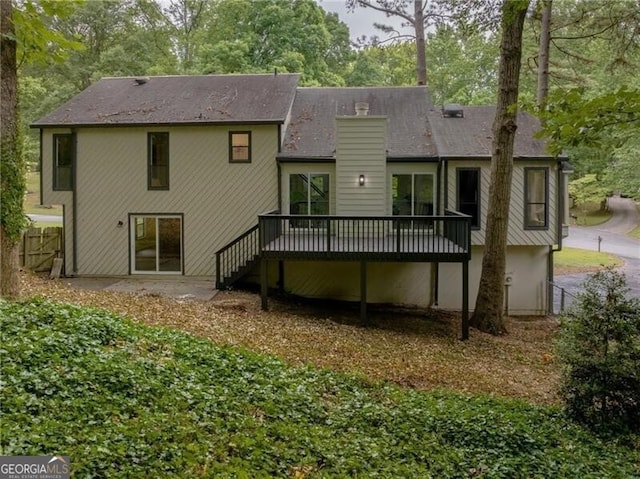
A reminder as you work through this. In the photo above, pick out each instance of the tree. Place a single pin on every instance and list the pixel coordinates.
(12, 181)
(598, 347)
(415, 16)
(543, 55)
(290, 36)
(23, 28)
(186, 17)
(488, 314)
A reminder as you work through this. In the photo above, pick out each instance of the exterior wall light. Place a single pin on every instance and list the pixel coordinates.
(361, 180)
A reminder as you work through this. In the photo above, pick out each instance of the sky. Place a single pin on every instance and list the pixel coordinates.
(360, 21)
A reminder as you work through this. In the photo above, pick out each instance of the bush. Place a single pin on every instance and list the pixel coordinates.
(599, 345)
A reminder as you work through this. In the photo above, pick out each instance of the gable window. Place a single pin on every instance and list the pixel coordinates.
(536, 198)
(468, 191)
(63, 153)
(239, 147)
(156, 244)
(158, 154)
(309, 194)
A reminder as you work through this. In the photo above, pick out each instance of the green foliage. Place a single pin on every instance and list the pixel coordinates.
(12, 188)
(599, 345)
(296, 36)
(125, 400)
(587, 189)
(37, 42)
(574, 119)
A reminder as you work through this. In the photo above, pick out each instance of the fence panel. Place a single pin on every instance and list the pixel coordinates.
(39, 247)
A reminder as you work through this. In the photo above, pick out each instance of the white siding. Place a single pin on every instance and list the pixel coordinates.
(393, 283)
(361, 150)
(528, 290)
(219, 200)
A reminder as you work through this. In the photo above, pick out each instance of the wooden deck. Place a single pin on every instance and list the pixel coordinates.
(420, 247)
(376, 238)
(432, 239)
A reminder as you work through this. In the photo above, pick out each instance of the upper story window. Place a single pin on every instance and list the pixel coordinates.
(468, 194)
(63, 162)
(158, 162)
(239, 147)
(536, 198)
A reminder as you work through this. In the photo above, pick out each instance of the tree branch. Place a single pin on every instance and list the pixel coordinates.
(388, 11)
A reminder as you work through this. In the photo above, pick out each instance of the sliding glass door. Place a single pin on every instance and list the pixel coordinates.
(156, 244)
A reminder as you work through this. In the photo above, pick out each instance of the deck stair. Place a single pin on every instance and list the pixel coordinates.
(236, 259)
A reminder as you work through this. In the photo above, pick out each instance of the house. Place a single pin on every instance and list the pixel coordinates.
(207, 176)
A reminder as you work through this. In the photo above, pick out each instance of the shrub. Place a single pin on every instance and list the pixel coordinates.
(599, 345)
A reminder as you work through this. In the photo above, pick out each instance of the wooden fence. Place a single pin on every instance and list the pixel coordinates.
(39, 247)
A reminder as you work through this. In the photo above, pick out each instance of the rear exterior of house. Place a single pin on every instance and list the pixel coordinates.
(157, 175)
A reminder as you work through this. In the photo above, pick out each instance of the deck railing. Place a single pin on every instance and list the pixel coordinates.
(444, 234)
(233, 258)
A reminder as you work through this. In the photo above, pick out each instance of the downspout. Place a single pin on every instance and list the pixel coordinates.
(40, 166)
(435, 270)
(74, 215)
(279, 173)
(559, 221)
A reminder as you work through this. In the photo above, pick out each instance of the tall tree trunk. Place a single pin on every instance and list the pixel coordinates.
(488, 315)
(543, 55)
(12, 180)
(421, 53)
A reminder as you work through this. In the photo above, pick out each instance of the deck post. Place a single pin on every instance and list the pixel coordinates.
(465, 300)
(264, 277)
(363, 292)
(281, 276)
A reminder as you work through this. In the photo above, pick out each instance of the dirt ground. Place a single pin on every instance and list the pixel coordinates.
(410, 347)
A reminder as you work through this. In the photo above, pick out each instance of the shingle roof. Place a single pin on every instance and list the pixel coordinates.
(311, 132)
(471, 136)
(178, 100)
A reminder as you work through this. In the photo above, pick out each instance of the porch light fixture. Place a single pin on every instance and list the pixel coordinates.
(361, 180)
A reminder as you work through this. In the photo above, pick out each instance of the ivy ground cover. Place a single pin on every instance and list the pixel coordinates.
(128, 400)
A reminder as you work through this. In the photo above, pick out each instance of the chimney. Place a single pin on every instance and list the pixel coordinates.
(362, 108)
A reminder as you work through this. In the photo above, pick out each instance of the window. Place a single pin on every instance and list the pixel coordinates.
(536, 198)
(468, 186)
(412, 195)
(63, 158)
(239, 147)
(156, 244)
(309, 194)
(158, 152)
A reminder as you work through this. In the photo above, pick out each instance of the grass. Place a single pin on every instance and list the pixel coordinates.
(574, 260)
(636, 232)
(590, 214)
(32, 200)
(127, 400)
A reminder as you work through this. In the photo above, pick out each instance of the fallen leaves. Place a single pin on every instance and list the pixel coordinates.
(413, 348)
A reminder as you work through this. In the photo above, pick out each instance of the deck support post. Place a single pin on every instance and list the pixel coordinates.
(281, 276)
(436, 282)
(465, 300)
(264, 277)
(363, 292)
